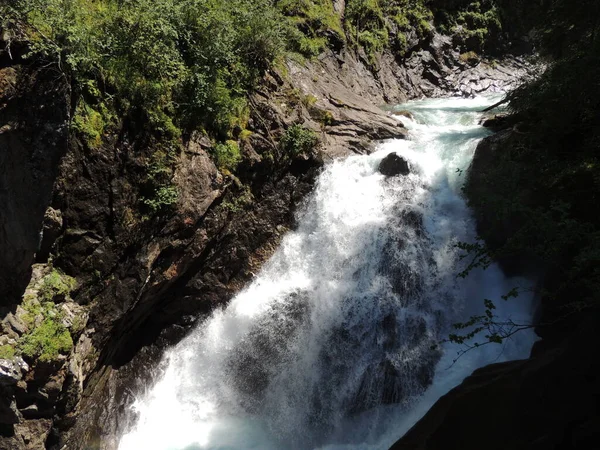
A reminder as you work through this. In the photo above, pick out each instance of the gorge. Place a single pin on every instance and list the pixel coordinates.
(201, 246)
(334, 344)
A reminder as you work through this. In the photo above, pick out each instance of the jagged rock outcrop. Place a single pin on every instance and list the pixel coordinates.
(34, 120)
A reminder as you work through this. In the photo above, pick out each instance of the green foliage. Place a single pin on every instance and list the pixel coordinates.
(47, 336)
(227, 155)
(163, 198)
(89, 124)
(166, 64)
(322, 116)
(56, 285)
(158, 193)
(240, 201)
(378, 24)
(314, 25)
(298, 140)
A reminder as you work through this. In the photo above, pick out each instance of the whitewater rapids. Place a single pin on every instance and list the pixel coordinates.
(334, 345)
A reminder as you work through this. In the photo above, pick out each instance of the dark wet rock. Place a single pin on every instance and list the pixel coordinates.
(15, 323)
(394, 164)
(9, 414)
(28, 435)
(486, 178)
(34, 114)
(413, 219)
(497, 122)
(265, 349)
(52, 227)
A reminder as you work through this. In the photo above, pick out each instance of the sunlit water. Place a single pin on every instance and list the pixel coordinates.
(333, 345)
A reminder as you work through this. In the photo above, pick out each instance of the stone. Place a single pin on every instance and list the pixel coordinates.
(10, 372)
(496, 122)
(52, 226)
(9, 415)
(393, 165)
(404, 113)
(17, 325)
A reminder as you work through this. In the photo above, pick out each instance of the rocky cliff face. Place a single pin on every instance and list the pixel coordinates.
(125, 286)
(34, 119)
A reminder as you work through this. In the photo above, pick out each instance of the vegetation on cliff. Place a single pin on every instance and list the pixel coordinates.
(173, 66)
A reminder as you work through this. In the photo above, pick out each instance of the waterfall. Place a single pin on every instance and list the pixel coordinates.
(335, 344)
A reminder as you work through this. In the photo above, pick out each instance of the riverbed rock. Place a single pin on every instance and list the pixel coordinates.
(496, 122)
(404, 113)
(393, 165)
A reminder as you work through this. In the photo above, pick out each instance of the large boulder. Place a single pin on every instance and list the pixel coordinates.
(393, 165)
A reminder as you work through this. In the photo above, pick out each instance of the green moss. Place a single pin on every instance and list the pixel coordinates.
(469, 57)
(33, 309)
(47, 336)
(245, 135)
(7, 352)
(89, 124)
(309, 100)
(239, 202)
(322, 116)
(78, 324)
(47, 340)
(56, 284)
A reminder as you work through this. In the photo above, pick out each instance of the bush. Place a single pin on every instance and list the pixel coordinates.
(297, 140)
(164, 63)
(314, 25)
(227, 155)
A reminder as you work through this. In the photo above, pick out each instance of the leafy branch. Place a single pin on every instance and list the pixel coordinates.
(479, 254)
(492, 328)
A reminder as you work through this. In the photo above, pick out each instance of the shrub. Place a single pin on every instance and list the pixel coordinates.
(314, 25)
(166, 64)
(297, 140)
(158, 192)
(227, 155)
(163, 198)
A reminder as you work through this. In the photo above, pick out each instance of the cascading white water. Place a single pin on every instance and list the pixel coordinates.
(333, 345)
